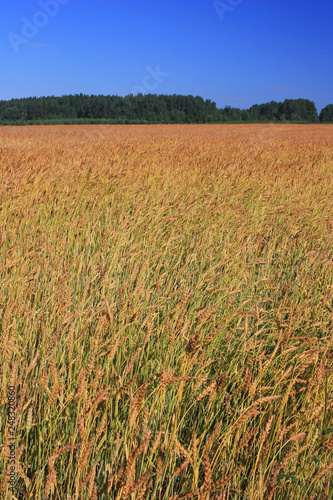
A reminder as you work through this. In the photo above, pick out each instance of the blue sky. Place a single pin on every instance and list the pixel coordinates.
(235, 52)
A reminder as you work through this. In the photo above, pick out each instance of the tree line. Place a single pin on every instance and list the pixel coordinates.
(153, 108)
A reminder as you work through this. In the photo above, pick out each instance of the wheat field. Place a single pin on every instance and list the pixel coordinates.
(166, 300)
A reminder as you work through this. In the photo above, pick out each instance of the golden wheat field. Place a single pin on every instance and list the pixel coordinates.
(166, 301)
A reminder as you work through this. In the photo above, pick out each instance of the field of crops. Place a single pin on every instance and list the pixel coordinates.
(166, 312)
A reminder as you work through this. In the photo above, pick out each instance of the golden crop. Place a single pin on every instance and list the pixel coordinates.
(166, 301)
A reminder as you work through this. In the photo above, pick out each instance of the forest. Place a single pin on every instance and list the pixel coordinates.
(153, 108)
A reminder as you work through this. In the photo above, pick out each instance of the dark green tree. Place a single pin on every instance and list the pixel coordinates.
(326, 114)
(153, 108)
(12, 113)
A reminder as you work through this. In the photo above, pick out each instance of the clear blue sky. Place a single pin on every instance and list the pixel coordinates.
(235, 52)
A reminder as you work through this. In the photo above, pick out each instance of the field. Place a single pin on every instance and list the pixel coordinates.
(166, 302)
